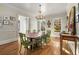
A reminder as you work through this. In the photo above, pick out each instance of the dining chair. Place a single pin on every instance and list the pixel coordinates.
(45, 38)
(39, 42)
(24, 43)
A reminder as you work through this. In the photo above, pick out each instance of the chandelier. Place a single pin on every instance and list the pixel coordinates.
(40, 13)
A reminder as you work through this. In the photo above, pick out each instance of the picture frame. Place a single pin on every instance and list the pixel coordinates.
(57, 25)
(6, 18)
(49, 23)
(1, 21)
(12, 18)
(6, 22)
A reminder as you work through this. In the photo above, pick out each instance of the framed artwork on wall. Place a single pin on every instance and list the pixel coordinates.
(6, 18)
(57, 25)
(1, 21)
(6, 22)
(12, 18)
(49, 23)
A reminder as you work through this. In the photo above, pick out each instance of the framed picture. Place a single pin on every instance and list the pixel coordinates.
(57, 25)
(12, 18)
(6, 18)
(1, 21)
(6, 22)
(49, 23)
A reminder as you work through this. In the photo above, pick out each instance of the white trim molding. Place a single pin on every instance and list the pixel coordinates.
(8, 41)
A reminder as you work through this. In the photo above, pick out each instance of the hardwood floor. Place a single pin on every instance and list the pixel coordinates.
(9, 48)
(52, 48)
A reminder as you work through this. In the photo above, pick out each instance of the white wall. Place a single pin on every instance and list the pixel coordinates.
(9, 33)
(63, 24)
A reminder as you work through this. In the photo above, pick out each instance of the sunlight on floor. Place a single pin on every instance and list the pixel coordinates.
(66, 51)
(57, 44)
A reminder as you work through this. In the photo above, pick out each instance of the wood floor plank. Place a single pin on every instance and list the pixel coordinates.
(52, 48)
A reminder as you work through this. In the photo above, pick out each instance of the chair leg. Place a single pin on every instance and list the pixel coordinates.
(42, 44)
(32, 47)
(25, 52)
(20, 49)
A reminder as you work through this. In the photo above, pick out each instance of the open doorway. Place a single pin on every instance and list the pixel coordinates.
(22, 24)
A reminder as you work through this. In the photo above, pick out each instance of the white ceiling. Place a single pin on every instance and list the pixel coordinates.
(51, 8)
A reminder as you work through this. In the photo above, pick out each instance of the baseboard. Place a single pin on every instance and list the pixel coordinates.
(55, 34)
(8, 41)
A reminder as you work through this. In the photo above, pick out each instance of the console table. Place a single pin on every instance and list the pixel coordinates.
(68, 37)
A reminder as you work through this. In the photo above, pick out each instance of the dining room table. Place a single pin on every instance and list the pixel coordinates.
(32, 36)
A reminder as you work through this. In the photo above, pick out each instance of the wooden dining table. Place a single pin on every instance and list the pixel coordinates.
(33, 37)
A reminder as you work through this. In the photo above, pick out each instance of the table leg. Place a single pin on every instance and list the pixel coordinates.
(31, 41)
(60, 45)
(75, 46)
